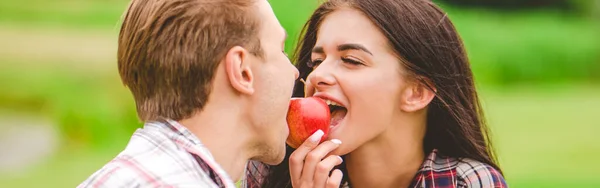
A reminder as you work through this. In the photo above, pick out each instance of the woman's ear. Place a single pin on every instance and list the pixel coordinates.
(417, 95)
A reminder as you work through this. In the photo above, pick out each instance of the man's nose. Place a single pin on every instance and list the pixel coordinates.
(296, 72)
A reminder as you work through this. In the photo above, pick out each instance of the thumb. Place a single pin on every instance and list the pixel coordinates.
(313, 140)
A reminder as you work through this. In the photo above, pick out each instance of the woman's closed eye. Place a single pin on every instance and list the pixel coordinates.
(352, 61)
(314, 63)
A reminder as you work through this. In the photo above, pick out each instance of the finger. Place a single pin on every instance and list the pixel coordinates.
(323, 169)
(315, 156)
(335, 179)
(297, 158)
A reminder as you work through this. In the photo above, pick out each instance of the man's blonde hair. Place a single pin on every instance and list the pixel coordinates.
(169, 51)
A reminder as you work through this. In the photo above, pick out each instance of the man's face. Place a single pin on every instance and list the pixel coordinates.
(274, 82)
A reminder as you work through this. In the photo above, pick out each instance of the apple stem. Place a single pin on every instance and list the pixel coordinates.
(302, 80)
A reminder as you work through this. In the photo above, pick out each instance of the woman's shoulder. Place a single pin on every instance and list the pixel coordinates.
(474, 173)
(464, 172)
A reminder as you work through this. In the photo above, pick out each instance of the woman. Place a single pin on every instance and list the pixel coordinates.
(405, 110)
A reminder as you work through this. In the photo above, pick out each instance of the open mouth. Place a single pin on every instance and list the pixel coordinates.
(338, 113)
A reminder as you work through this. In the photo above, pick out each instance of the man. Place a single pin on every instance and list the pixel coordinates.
(212, 84)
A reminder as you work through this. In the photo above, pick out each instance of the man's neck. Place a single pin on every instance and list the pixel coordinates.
(225, 136)
(390, 160)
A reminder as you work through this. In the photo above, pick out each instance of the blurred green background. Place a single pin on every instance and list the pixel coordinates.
(64, 112)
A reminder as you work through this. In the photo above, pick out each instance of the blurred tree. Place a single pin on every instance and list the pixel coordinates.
(596, 10)
(513, 4)
(589, 8)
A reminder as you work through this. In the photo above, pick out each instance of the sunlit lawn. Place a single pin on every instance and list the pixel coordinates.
(545, 138)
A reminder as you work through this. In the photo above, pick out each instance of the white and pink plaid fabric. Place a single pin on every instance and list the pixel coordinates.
(161, 154)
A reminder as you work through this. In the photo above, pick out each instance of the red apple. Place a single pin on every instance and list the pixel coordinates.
(306, 116)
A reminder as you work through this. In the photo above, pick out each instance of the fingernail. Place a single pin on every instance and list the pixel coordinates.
(316, 137)
(336, 141)
(340, 158)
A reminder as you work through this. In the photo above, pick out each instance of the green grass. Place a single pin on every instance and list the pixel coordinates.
(63, 13)
(87, 106)
(545, 138)
(67, 169)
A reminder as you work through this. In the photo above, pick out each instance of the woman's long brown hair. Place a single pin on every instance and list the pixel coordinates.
(429, 47)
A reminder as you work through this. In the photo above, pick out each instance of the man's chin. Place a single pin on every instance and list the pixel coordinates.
(275, 158)
(272, 157)
(274, 162)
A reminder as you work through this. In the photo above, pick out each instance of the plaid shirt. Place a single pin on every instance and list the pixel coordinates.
(435, 172)
(162, 154)
(442, 172)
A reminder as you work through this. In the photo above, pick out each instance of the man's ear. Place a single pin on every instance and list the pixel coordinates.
(417, 96)
(237, 65)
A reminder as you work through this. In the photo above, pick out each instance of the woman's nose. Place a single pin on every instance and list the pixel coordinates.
(322, 76)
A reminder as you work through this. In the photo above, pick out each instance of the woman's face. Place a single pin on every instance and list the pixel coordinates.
(354, 67)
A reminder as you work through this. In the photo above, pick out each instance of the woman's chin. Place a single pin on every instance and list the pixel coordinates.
(335, 132)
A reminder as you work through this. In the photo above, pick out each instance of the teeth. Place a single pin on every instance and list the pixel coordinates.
(329, 102)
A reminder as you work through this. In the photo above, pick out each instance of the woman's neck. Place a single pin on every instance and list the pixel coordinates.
(391, 160)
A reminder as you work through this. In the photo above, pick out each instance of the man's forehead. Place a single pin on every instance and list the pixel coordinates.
(268, 19)
(264, 5)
